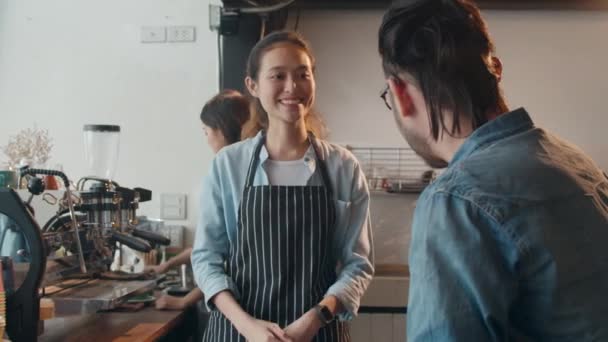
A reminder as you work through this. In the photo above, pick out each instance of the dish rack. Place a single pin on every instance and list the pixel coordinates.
(393, 169)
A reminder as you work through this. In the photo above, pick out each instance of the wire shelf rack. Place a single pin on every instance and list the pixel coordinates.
(393, 169)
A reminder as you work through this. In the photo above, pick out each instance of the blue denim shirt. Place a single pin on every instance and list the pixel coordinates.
(221, 196)
(511, 241)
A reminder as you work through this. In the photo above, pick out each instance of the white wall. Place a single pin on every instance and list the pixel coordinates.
(66, 63)
(554, 65)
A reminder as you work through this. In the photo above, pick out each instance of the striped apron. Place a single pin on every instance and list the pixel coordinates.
(281, 260)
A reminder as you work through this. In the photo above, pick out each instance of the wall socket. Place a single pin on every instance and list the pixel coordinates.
(181, 34)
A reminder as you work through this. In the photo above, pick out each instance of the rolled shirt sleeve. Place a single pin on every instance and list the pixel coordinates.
(211, 244)
(355, 246)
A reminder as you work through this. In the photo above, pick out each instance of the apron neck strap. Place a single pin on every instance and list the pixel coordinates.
(256, 158)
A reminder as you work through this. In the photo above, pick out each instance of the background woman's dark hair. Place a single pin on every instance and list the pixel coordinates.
(259, 117)
(445, 46)
(227, 111)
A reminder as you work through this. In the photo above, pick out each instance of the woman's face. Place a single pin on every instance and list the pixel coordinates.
(285, 84)
(215, 138)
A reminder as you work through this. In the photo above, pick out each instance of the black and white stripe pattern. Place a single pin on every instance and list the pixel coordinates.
(281, 259)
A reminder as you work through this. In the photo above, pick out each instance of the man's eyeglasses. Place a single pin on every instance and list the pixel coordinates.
(384, 96)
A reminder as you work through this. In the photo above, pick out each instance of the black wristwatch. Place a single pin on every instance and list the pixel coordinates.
(324, 314)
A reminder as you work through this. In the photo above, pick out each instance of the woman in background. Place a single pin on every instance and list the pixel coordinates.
(222, 118)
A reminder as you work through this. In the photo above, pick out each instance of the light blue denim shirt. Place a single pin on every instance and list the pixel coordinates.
(511, 241)
(221, 196)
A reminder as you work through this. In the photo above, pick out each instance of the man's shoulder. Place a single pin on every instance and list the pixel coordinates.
(491, 180)
(506, 177)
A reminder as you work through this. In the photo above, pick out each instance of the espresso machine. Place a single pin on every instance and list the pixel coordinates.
(23, 262)
(67, 260)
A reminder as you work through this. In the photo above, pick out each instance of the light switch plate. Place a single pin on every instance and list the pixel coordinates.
(173, 206)
(153, 34)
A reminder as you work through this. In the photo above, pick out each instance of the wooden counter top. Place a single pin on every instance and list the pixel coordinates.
(391, 270)
(145, 325)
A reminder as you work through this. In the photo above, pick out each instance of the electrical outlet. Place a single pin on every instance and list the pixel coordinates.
(215, 15)
(173, 206)
(181, 34)
(153, 34)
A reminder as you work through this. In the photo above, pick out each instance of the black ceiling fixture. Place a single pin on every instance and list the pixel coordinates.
(241, 23)
(489, 4)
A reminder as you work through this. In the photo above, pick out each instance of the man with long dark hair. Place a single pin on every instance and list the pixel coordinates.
(510, 240)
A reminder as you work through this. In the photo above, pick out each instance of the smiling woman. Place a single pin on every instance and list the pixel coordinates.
(283, 246)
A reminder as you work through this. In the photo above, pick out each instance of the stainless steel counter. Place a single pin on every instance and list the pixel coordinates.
(77, 296)
(391, 216)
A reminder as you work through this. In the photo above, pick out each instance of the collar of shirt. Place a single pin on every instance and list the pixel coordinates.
(309, 159)
(503, 126)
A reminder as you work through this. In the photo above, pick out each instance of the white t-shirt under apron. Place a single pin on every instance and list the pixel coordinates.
(290, 172)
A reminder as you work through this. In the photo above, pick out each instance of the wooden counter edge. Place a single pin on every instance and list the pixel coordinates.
(391, 270)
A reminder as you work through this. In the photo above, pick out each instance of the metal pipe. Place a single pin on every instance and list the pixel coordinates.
(266, 9)
(83, 267)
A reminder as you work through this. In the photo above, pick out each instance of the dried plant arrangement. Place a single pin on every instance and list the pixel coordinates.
(32, 146)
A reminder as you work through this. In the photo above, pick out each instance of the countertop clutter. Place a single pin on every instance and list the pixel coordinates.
(64, 259)
(145, 325)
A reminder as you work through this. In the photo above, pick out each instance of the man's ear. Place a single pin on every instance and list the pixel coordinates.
(252, 86)
(401, 98)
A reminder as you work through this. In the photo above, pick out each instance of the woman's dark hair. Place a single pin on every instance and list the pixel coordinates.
(259, 117)
(445, 47)
(227, 111)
